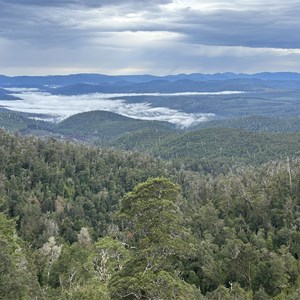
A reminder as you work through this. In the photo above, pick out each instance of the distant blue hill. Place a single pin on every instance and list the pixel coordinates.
(5, 95)
(63, 80)
(182, 85)
(229, 75)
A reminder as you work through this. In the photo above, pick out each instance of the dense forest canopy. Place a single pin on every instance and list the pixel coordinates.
(89, 223)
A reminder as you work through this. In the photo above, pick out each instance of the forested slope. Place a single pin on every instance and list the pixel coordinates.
(104, 127)
(214, 149)
(70, 222)
(255, 123)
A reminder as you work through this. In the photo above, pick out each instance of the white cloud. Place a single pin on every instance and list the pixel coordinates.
(61, 107)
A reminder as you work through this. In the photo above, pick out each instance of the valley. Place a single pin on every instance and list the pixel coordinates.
(182, 187)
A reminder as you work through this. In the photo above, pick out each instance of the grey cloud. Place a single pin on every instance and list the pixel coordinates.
(92, 36)
(262, 26)
(54, 3)
(265, 28)
(64, 23)
(83, 3)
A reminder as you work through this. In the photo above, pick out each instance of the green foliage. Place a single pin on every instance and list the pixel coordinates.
(152, 285)
(261, 295)
(155, 231)
(92, 290)
(73, 185)
(109, 255)
(14, 263)
(71, 268)
(233, 235)
(154, 223)
(235, 292)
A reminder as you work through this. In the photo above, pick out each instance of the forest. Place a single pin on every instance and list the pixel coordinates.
(83, 222)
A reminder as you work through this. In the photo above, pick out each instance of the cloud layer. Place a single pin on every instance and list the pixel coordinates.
(158, 37)
(60, 107)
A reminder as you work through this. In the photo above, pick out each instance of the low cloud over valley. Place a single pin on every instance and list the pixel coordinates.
(59, 107)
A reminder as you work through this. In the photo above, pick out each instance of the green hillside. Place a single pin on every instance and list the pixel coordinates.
(215, 147)
(104, 126)
(224, 144)
(87, 223)
(272, 103)
(21, 122)
(255, 123)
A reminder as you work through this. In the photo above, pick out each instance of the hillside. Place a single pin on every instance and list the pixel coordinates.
(5, 95)
(22, 122)
(254, 123)
(165, 86)
(215, 149)
(104, 127)
(212, 147)
(86, 223)
(272, 103)
(63, 80)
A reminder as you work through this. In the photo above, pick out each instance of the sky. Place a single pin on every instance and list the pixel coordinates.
(159, 37)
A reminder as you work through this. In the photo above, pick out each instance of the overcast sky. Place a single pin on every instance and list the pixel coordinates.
(40, 37)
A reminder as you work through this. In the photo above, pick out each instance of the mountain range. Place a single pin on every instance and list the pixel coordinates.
(101, 78)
